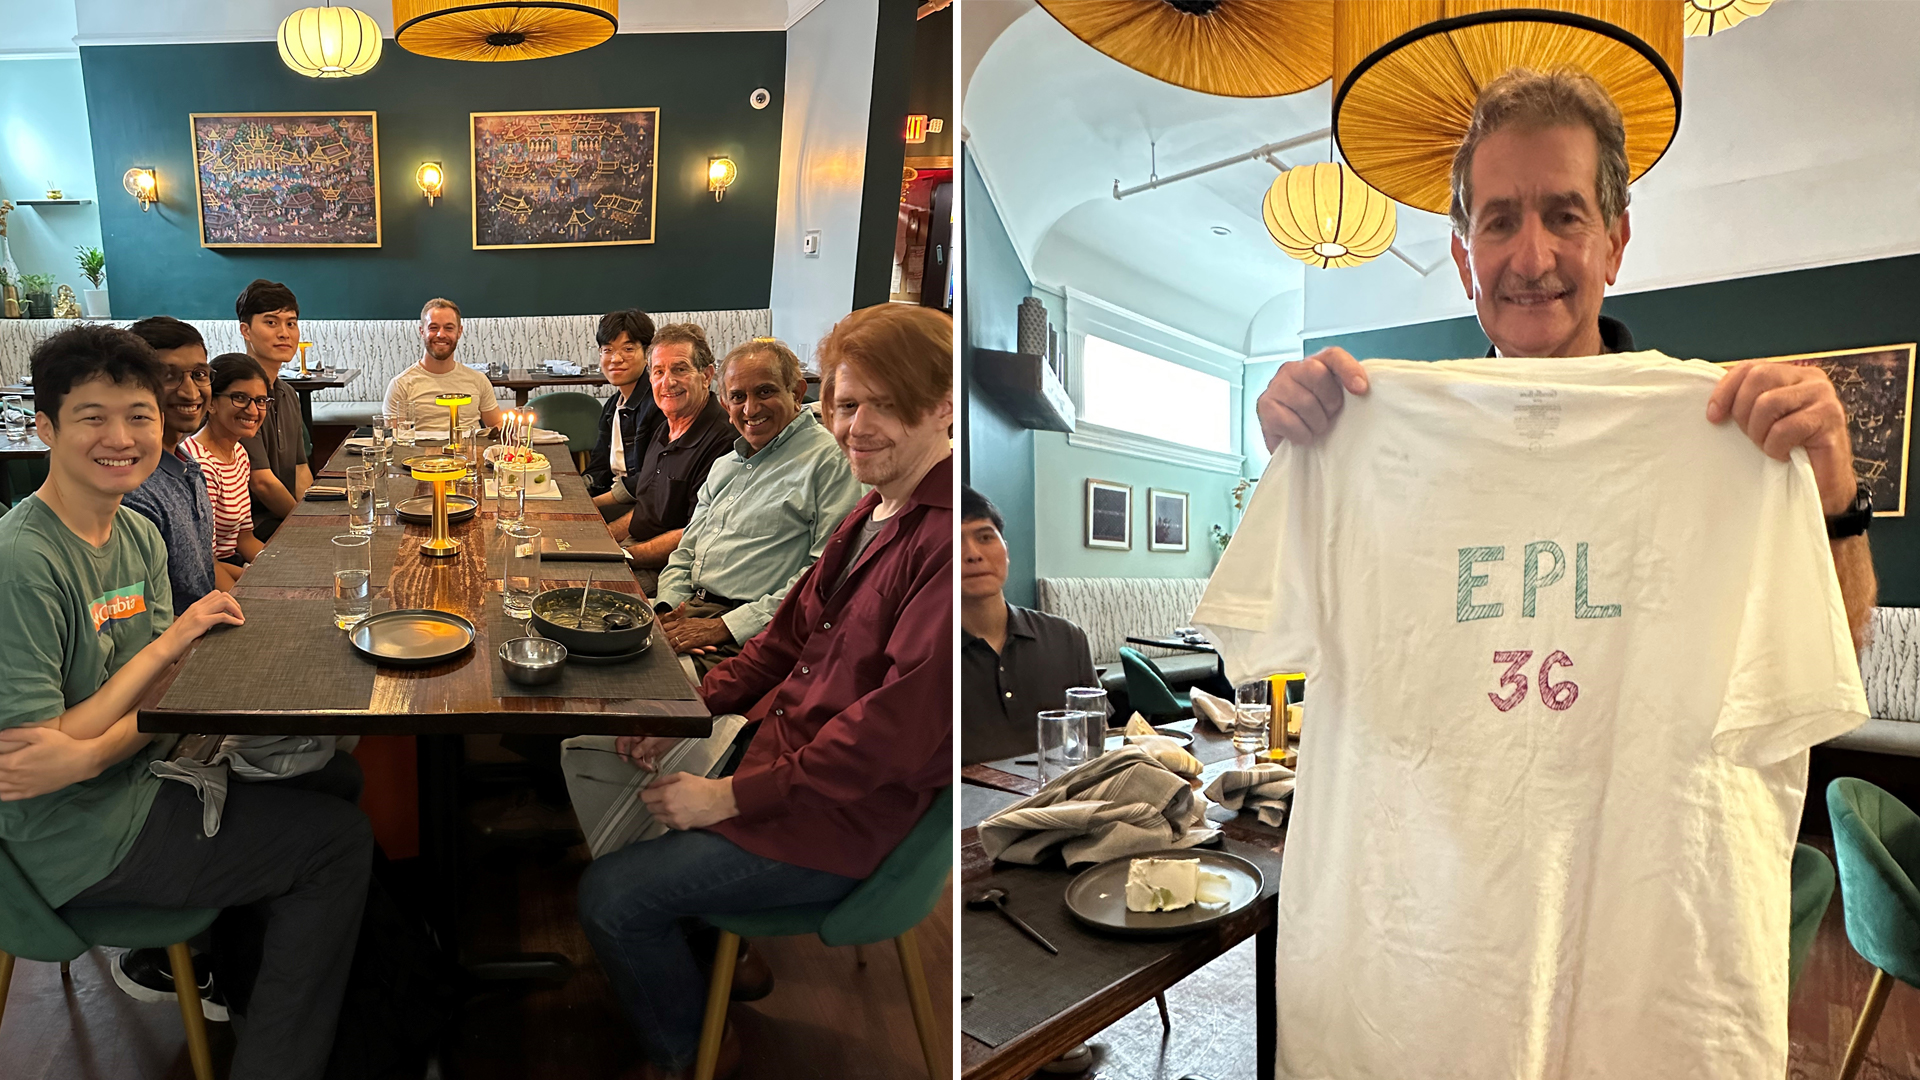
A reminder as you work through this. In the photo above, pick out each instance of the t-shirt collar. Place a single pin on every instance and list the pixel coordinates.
(1614, 337)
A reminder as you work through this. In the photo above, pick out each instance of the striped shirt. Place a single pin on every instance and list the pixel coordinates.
(228, 488)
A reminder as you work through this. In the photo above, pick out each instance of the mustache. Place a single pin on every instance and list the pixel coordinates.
(1511, 284)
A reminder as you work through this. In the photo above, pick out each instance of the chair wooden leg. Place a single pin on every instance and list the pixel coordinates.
(187, 988)
(860, 956)
(922, 1002)
(718, 992)
(66, 969)
(6, 979)
(1863, 1030)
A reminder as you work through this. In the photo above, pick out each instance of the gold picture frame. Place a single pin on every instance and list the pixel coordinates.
(297, 155)
(625, 209)
(1875, 384)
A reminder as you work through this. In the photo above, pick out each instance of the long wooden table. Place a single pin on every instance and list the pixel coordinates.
(524, 381)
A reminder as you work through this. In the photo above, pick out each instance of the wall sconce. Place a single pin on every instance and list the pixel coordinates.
(432, 179)
(721, 173)
(141, 184)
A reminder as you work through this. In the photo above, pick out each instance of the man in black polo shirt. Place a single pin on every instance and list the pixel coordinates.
(270, 327)
(652, 505)
(1014, 662)
(624, 337)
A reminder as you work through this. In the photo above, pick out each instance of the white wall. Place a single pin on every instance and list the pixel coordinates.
(823, 158)
(43, 139)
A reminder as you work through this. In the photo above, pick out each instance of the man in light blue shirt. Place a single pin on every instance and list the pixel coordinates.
(765, 512)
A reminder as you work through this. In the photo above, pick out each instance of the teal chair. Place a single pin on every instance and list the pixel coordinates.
(1812, 892)
(31, 929)
(1877, 842)
(1147, 689)
(887, 905)
(573, 414)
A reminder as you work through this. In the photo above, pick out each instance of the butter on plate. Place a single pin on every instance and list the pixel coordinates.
(1172, 884)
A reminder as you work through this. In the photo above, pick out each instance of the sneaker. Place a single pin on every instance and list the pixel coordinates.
(147, 975)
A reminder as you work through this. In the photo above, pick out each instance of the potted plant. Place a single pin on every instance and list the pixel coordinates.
(93, 267)
(38, 291)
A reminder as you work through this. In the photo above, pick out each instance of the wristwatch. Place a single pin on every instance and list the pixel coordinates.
(1852, 521)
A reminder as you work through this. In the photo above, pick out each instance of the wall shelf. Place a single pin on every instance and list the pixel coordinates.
(53, 202)
(1026, 387)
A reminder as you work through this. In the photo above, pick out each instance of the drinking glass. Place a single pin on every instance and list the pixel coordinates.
(510, 493)
(352, 579)
(380, 459)
(360, 498)
(383, 429)
(1091, 703)
(1062, 743)
(403, 430)
(1252, 716)
(521, 576)
(16, 418)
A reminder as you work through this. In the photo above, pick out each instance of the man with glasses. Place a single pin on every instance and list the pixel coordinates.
(174, 498)
(411, 393)
(270, 326)
(630, 414)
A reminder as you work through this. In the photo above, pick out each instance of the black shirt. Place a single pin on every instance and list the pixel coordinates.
(281, 445)
(666, 479)
(1614, 337)
(1001, 694)
(637, 420)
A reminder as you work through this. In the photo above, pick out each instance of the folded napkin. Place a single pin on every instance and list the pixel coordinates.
(1120, 803)
(1218, 710)
(562, 367)
(1264, 788)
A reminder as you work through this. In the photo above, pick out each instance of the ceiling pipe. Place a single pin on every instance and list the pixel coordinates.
(1251, 155)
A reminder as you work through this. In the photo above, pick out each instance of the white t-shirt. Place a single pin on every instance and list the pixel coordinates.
(411, 394)
(1567, 644)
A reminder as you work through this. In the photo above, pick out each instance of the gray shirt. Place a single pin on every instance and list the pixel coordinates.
(281, 446)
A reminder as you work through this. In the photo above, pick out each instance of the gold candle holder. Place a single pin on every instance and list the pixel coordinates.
(453, 403)
(441, 470)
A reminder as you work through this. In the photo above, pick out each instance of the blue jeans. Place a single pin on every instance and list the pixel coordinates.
(631, 903)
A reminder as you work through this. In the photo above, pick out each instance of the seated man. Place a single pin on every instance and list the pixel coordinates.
(84, 593)
(652, 504)
(174, 498)
(270, 327)
(1014, 662)
(851, 682)
(764, 514)
(410, 395)
(630, 414)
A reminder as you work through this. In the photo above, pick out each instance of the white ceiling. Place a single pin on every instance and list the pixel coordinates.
(1798, 133)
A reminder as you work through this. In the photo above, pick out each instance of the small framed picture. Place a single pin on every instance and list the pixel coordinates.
(1109, 515)
(1168, 517)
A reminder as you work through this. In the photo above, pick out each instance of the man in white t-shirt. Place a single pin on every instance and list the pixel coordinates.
(411, 392)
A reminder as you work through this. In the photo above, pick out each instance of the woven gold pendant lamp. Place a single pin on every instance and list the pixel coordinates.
(1406, 74)
(1325, 216)
(1706, 18)
(1234, 48)
(454, 30)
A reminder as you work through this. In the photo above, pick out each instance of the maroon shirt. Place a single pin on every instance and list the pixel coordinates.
(856, 735)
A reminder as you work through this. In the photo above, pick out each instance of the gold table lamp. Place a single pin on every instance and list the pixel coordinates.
(453, 403)
(441, 470)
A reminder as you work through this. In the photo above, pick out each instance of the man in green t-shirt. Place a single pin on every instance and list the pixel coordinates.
(91, 626)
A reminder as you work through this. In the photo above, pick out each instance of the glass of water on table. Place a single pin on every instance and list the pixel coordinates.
(352, 579)
(1091, 703)
(1252, 716)
(360, 498)
(521, 577)
(17, 418)
(1062, 743)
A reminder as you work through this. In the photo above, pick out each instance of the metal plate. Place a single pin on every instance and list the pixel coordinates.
(602, 661)
(419, 509)
(411, 637)
(1098, 897)
(1117, 737)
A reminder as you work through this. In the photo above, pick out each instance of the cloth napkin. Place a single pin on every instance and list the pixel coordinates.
(1266, 789)
(1120, 803)
(1216, 709)
(562, 367)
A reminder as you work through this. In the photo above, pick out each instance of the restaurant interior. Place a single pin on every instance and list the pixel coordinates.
(759, 169)
(1137, 270)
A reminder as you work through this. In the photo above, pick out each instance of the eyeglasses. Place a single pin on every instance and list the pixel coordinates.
(174, 377)
(628, 351)
(243, 401)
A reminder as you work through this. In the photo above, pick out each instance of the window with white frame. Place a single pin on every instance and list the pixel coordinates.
(1130, 390)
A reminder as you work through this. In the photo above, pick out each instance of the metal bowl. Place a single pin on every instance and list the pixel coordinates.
(533, 661)
(602, 642)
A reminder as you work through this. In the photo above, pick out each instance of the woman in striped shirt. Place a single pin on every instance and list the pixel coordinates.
(239, 406)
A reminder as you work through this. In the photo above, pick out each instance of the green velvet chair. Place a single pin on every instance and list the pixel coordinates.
(1812, 892)
(901, 893)
(31, 929)
(573, 414)
(1876, 840)
(1147, 689)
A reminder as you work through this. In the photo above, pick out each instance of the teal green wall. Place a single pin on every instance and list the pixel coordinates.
(707, 255)
(1061, 471)
(1835, 307)
(43, 140)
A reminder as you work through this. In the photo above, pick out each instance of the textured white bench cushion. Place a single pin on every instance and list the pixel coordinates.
(1109, 609)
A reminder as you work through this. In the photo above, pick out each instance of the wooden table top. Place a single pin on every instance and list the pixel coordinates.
(533, 378)
(451, 698)
(31, 448)
(323, 379)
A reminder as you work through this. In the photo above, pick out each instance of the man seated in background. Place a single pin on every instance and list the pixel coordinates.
(851, 682)
(628, 418)
(270, 326)
(410, 395)
(174, 498)
(764, 514)
(85, 597)
(1014, 661)
(652, 504)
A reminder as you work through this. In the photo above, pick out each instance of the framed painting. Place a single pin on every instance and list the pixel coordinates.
(1109, 515)
(580, 178)
(1876, 388)
(287, 179)
(1167, 514)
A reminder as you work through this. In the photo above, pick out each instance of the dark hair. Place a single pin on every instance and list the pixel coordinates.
(262, 297)
(230, 368)
(686, 333)
(85, 353)
(976, 507)
(164, 332)
(632, 322)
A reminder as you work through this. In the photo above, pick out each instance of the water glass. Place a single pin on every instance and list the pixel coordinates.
(383, 429)
(380, 459)
(1252, 716)
(1091, 703)
(352, 579)
(360, 498)
(521, 576)
(510, 493)
(16, 418)
(1062, 743)
(403, 430)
